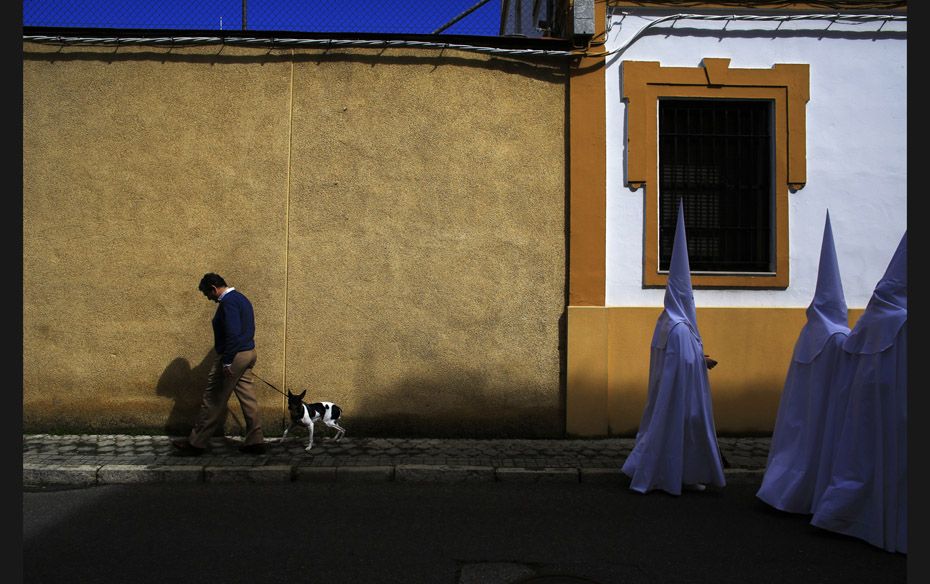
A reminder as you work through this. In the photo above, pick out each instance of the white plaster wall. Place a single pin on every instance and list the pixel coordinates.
(856, 148)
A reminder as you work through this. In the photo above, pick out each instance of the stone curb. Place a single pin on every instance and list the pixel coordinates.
(74, 475)
(248, 474)
(442, 473)
(93, 474)
(373, 474)
(545, 475)
(135, 473)
(315, 474)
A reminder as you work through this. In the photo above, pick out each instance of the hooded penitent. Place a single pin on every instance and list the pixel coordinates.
(866, 496)
(676, 442)
(811, 405)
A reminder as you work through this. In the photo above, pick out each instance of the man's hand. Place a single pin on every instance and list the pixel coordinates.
(709, 362)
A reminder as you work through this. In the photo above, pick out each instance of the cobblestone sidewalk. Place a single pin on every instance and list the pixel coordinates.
(82, 460)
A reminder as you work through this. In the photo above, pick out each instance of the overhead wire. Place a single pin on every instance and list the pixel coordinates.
(598, 41)
(673, 18)
(287, 42)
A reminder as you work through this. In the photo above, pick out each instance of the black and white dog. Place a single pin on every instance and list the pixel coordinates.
(303, 414)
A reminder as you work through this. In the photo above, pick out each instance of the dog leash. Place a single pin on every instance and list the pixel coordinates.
(268, 384)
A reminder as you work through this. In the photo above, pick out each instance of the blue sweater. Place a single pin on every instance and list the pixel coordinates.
(233, 326)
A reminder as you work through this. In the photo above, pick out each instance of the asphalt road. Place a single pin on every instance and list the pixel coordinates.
(488, 533)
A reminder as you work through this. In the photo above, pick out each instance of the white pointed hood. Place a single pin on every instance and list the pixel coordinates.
(886, 311)
(679, 298)
(826, 315)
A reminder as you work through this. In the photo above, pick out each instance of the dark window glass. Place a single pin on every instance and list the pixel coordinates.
(716, 155)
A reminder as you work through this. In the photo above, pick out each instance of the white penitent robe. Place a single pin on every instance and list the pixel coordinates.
(676, 442)
(866, 496)
(812, 405)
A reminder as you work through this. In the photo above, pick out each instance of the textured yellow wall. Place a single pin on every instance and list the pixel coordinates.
(396, 217)
(752, 345)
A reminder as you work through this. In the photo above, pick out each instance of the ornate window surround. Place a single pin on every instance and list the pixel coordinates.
(787, 86)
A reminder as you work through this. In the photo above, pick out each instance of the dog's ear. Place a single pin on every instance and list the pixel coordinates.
(289, 394)
(302, 394)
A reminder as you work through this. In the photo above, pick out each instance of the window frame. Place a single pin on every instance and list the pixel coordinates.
(785, 85)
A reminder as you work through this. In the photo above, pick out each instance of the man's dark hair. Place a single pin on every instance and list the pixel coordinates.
(209, 280)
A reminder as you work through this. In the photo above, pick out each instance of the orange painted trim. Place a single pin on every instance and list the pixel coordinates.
(586, 372)
(786, 86)
(587, 171)
(609, 357)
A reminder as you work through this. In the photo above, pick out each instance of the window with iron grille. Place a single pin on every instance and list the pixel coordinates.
(716, 155)
(730, 143)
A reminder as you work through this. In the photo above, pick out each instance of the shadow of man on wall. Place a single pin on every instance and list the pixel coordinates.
(185, 386)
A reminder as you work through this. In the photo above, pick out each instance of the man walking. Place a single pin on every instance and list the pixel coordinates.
(234, 343)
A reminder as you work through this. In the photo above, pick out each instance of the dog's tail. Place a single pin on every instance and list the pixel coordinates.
(336, 412)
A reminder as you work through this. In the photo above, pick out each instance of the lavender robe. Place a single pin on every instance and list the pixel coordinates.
(866, 496)
(811, 407)
(676, 441)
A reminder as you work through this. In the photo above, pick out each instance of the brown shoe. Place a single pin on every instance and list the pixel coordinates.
(257, 448)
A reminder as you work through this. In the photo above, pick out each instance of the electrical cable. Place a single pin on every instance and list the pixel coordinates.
(844, 18)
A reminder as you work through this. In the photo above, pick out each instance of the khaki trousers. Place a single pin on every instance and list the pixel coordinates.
(216, 396)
